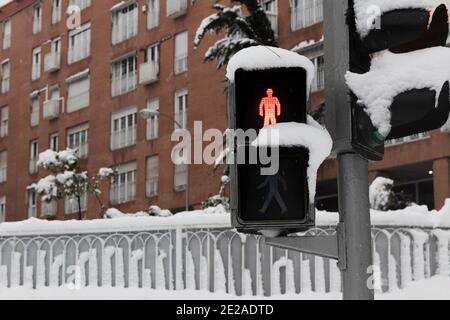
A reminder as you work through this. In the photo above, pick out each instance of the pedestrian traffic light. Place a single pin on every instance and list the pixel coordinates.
(279, 202)
(417, 110)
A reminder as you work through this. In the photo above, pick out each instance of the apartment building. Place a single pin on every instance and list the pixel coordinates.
(81, 84)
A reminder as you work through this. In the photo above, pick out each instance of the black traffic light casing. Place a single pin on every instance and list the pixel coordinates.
(414, 111)
(275, 204)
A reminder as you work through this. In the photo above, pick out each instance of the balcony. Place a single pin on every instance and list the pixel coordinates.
(52, 62)
(176, 8)
(51, 109)
(49, 209)
(148, 72)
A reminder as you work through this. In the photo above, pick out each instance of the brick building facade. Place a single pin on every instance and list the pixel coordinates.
(83, 87)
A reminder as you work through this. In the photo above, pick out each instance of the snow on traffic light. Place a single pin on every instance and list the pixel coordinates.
(398, 70)
(269, 95)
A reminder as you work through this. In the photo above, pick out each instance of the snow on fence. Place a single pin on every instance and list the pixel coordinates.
(214, 259)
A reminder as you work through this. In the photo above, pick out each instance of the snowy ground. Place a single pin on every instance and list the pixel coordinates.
(436, 288)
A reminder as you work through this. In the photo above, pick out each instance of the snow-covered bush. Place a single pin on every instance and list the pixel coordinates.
(221, 198)
(156, 211)
(383, 197)
(67, 179)
(241, 31)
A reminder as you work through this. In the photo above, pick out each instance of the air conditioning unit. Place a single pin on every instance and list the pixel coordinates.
(148, 72)
(176, 8)
(52, 62)
(51, 109)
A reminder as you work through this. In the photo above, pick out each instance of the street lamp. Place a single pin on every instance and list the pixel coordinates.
(147, 114)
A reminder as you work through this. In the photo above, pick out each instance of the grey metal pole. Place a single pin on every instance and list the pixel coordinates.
(355, 253)
(354, 213)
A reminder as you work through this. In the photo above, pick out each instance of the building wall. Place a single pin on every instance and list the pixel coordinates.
(206, 102)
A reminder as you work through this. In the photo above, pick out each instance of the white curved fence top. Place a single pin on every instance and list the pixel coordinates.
(415, 217)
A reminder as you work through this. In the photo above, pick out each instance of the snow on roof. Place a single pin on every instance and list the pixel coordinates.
(311, 136)
(367, 10)
(266, 57)
(391, 74)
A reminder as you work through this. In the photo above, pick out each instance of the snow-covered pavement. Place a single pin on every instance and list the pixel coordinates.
(436, 288)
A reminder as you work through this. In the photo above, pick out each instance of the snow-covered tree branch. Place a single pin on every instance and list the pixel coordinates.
(67, 179)
(241, 31)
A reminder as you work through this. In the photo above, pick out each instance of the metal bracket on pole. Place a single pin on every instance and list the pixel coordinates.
(324, 246)
(329, 246)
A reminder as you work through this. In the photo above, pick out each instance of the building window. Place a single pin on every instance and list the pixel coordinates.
(32, 203)
(315, 53)
(5, 76)
(37, 18)
(180, 177)
(124, 75)
(4, 119)
(123, 188)
(56, 11)
(34, 111)
(54, 142)
(181, 52)
(153, 14)
(152, 176)
(79, 43)
(2, 209)
(305, 13)
(78, 92)
(153, 121)
(123, 128)
(181, 109)
(36, 65)
(411, 138)
(34, 156)
(82, 4)
(125, 22)
(271, 9)
(71, 204)
(3, 165)
(78, 139)
(7, 34)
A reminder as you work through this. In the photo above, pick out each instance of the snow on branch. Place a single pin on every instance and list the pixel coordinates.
(241, 31)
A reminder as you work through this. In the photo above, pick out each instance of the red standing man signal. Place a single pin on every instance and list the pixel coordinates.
(270, 108)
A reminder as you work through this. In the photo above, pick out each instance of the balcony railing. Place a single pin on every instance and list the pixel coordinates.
(123, 138)
(181, 64)
(49, 209)
(148, 72)
(51, 109)
(52, 62)
(82, 149)
(124, 84)
(122, 193)
(3, 131)
(152, 187)
(176, 8)
(3, 174)
(33, 168)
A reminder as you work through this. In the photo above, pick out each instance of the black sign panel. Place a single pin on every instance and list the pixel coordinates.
(269, 97)
(281, 198)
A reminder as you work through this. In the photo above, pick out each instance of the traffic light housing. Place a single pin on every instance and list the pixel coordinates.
(414, 111)
(279, 203)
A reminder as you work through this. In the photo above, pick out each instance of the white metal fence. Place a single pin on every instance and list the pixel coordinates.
(218, 260)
